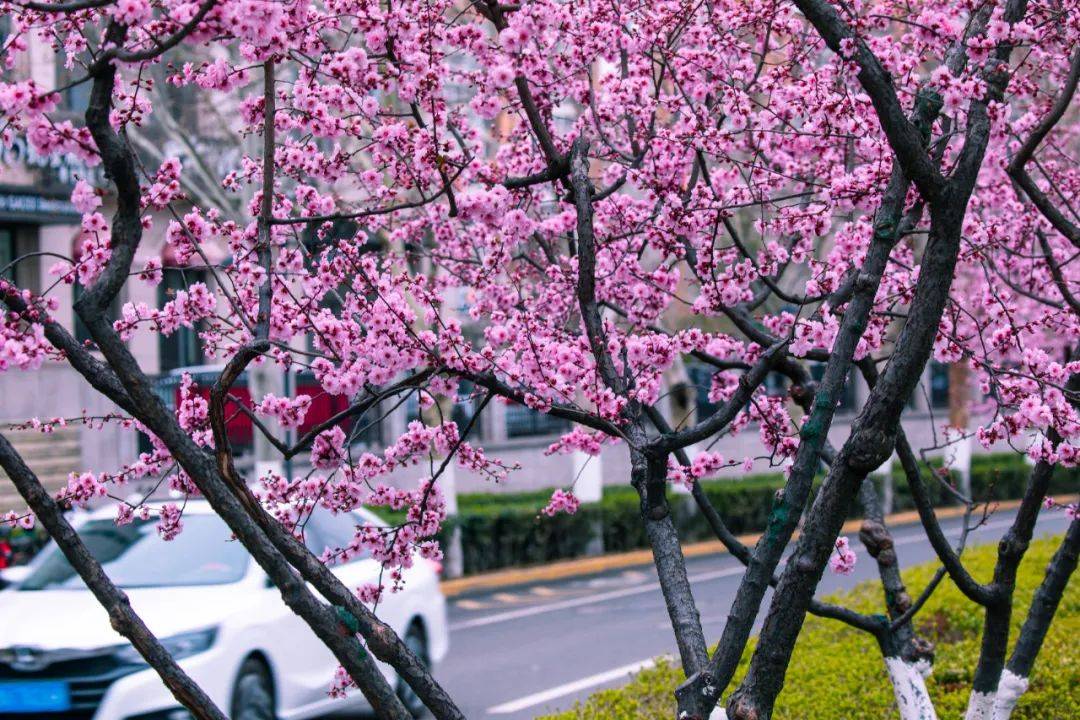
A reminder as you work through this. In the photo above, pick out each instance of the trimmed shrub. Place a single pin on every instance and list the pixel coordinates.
(837, 672)
(507, 530)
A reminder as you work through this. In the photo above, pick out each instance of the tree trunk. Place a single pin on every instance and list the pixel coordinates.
(909, 686)
(1014, 678)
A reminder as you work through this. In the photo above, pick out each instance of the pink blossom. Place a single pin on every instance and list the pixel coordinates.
(562, 501)
(328, 449)
(502, 76)
(131, 12)
(171, 521)
(842, 562)
(290, 412)
(84, 197)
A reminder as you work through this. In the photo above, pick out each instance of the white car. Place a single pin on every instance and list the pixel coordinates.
(211, 605)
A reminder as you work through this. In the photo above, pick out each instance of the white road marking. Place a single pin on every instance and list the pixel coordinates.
(586, 600)
(559, 691)
(698, 578)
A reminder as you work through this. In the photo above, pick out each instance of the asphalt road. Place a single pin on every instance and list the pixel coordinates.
(536, 649)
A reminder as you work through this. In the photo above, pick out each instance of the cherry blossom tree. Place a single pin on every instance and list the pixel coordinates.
(557, 204)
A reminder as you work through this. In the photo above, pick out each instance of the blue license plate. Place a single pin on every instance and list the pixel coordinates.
(31, 697)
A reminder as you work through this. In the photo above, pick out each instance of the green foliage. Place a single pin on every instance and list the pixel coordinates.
(507, 530)
(993, 477)
(837, 672)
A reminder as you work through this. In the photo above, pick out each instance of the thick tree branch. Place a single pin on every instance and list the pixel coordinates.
(1017, 167)
(950, 560)
(586, 283)
(905, 138)
(699, 693)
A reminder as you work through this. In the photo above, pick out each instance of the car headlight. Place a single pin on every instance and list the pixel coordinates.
(179, 646)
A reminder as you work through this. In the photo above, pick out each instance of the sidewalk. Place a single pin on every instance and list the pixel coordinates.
(577, 567)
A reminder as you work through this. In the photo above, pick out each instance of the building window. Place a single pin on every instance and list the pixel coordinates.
(701, 379)
(939, 385)
(183, 348)
(18, 243)
(523, 421)
(74, 95)
(7, 254)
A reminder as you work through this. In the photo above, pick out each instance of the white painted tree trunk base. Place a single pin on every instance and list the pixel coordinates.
(1010, 688)
(980, 706)
(909, 686)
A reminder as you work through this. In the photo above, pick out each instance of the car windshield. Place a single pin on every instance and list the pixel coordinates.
(135, 557)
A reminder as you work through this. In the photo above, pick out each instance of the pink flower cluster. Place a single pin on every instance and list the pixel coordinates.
(328, 449)
(289, 412)
(561, 501)
(20, 520)
(22, 345)
(85, 198)
(703, 465)
(842, 562)
(166, 186)
(170, 523)
(82, 488)
(186, 309)
(193, 412)
(578, 439)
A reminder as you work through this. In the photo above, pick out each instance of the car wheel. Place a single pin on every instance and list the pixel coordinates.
(253, 693)
(416, 640)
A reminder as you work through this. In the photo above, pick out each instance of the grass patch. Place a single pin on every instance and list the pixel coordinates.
(837, 672)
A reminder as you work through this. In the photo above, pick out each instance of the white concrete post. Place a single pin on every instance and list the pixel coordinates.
(884, 474)
(589, 488)
(958, 457)
(453, 555)
(588, 477)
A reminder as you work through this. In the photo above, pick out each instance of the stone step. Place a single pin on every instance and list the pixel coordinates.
(43, 451)
(28, 438)
(50, 455)
(47, 466)
(11, 500)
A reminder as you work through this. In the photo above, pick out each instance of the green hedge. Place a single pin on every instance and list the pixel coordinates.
(837, 672)
(507, 530)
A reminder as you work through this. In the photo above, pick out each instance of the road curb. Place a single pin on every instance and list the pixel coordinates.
(564, 569)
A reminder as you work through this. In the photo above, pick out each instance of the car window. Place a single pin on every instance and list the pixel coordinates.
(134, 556)
(326, 529)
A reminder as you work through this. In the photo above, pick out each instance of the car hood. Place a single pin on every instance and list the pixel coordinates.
(73, 619)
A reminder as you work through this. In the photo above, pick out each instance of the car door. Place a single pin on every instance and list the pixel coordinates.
(304, 667)
(337, 530)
